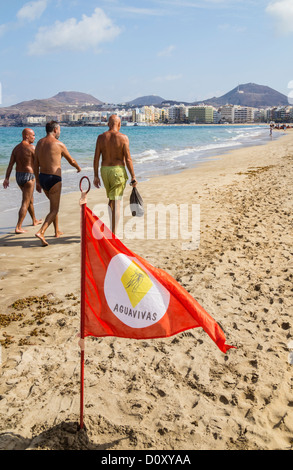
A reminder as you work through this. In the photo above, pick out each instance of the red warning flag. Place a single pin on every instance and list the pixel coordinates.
(125, 296)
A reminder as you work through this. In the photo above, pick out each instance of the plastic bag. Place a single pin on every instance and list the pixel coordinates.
(136, 203)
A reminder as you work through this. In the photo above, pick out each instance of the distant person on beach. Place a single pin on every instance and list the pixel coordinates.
(114, 148)
(48, 154)
(23, 156)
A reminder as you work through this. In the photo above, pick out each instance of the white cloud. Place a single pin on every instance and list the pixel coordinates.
(282, 12)
(32, 10)
(89, 32)
(167, 51)
(3, 29)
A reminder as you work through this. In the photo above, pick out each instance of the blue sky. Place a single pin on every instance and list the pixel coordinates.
(118, 50)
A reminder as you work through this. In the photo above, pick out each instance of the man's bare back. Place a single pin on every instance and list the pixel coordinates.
(49, 152)
(114, 149)
(24, 157)
(113, 146)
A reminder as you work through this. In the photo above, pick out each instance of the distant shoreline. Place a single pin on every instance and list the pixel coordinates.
(255, 124)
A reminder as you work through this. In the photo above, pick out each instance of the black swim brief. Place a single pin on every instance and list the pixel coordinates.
(22, 178)
(48, 181)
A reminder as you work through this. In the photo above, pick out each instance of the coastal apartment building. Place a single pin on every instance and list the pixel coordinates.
(150, 114)
(201, 114)
(237, 114)
(243, 114)
(171, 114)
(280, 114)
(227, 113)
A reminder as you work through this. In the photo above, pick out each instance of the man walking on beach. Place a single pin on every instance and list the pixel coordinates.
(114, 148)
(49, 152)
(23, 156)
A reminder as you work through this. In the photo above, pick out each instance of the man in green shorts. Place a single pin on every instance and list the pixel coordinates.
(114, 148)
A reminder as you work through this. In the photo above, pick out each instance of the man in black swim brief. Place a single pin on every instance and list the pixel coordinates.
(48, 181)
(48, 155)
(22, 178)
(23, 157)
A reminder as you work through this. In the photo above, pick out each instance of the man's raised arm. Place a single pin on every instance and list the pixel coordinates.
(69, 158)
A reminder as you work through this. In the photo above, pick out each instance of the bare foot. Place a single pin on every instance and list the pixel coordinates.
(20, 230)
(37, 222)
(58, 234)
(42, 238)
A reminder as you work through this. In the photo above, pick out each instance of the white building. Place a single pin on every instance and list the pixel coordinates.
(227, 113)
(243, 114)
(31, 120)
(217, 116)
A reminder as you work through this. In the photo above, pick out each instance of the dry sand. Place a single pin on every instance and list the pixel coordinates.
(177, 393)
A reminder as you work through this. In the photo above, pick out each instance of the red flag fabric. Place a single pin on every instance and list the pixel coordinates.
(125, 296)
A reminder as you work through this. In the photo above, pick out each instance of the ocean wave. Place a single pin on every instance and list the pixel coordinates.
(146, 156)
(165, 155)
(236, 139)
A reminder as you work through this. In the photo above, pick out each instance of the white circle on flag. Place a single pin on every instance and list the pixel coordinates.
(133, 294)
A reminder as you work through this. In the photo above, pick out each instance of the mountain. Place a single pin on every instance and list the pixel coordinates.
(250, 94)
(75, 98)
(62, 102)
(148, 100)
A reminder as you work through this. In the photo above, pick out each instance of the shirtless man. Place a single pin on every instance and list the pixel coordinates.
(49, 152)
(23, 156)
(114, 148)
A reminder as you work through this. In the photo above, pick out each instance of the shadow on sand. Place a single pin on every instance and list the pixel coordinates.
(64, 436)
(25, 241)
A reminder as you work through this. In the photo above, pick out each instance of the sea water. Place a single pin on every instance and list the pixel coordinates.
(155, 150)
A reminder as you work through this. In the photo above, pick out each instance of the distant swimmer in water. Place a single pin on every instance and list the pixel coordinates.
(23, 156)
(48, 154)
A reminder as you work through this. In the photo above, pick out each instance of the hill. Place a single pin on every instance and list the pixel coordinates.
(75, 98)
(148, 100)
(62, 102)
(250, 94)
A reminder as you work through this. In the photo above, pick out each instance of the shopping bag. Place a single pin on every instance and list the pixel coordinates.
(136, 203)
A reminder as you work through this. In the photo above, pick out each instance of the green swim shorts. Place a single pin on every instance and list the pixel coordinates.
(114, 179)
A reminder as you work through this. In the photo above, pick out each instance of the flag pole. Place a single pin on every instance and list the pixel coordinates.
(83, 202)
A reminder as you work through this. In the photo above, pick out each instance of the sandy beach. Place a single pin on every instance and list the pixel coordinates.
(179, 393)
